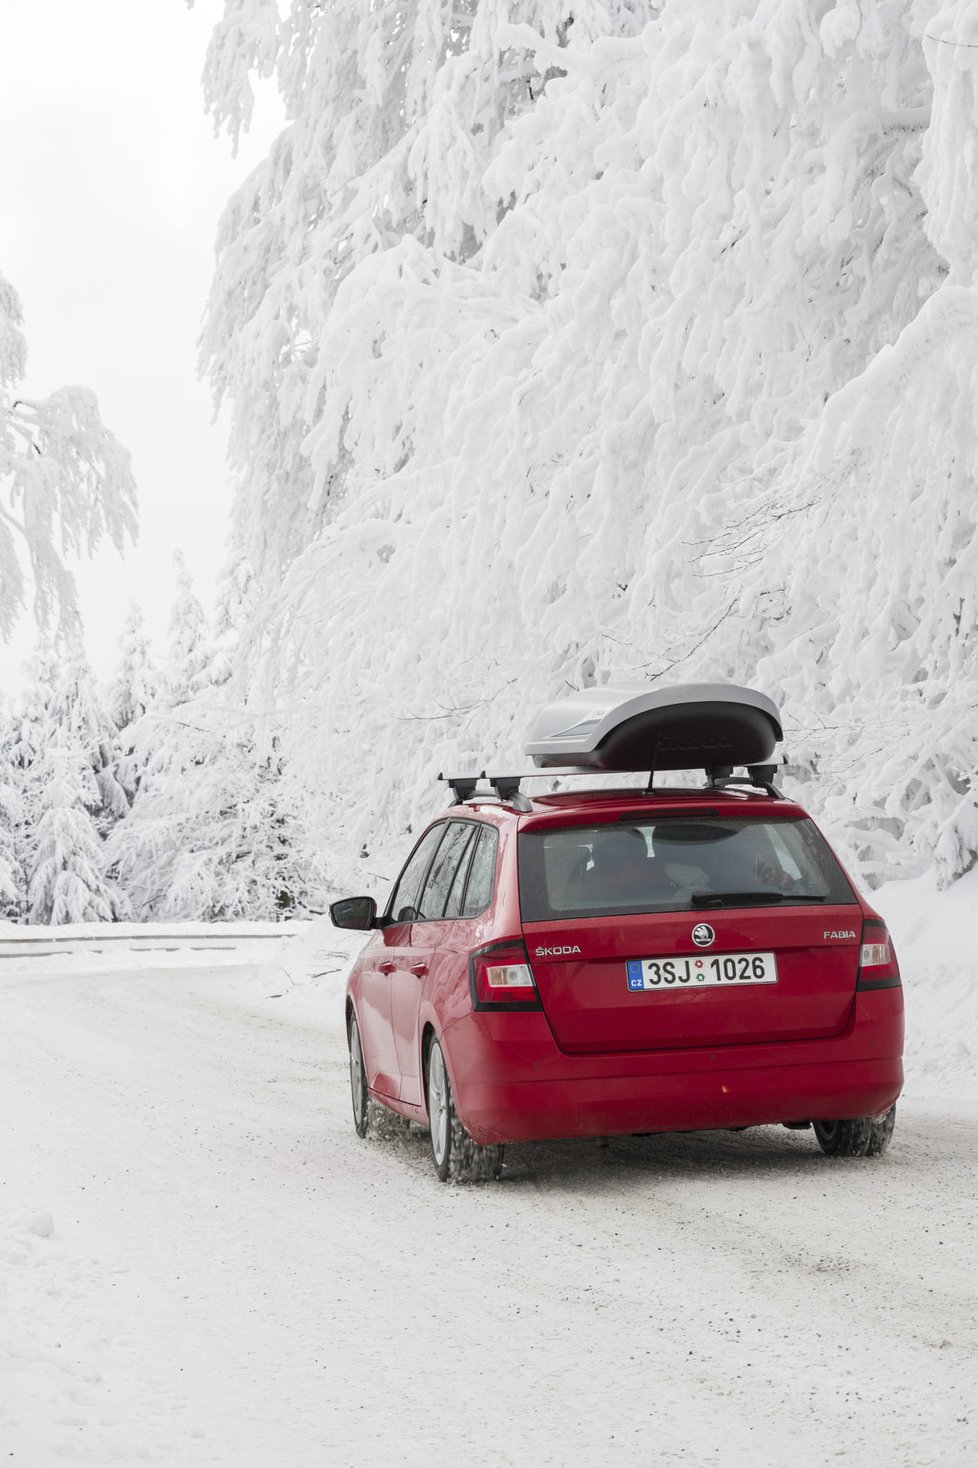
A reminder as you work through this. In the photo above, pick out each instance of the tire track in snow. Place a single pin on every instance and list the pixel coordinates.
(298, 1296)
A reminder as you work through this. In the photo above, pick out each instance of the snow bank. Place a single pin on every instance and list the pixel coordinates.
(934, 932)
(314, 966)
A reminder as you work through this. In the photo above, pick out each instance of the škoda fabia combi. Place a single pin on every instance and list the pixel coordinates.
(626, 961)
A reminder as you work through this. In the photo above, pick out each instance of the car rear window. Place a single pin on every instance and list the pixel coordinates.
(675, 864)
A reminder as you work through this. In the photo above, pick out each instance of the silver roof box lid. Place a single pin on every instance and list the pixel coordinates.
(696, 726)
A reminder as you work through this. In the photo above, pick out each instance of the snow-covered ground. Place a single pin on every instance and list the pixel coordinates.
(200, 1264)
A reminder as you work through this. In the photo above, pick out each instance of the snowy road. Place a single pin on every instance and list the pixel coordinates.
(200, 1264)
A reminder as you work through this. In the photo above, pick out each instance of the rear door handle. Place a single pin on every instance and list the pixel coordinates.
(386, 966)
(420, 969)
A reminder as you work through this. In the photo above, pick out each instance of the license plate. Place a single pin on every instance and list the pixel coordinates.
(701, 971)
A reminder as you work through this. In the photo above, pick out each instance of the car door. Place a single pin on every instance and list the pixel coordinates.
(381, 961)
(415, 958)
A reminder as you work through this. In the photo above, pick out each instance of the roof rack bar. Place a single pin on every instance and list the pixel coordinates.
(716, 772)
(506, 788)
(555, 774)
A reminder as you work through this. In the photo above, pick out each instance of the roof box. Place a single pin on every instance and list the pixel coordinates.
(696, 726)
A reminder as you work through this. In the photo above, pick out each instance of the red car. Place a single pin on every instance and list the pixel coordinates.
(616, 961)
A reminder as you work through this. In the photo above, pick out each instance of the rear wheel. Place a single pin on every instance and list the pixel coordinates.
(455, 1155)
(358, 1081)
(861, 1136)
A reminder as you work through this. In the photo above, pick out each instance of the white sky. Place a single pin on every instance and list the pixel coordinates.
(111, 185)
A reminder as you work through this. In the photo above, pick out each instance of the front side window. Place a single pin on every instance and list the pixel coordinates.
(402, 907)
(674, 864)
(444, 868)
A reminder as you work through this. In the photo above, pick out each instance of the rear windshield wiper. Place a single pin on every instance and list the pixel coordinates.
(750, 899)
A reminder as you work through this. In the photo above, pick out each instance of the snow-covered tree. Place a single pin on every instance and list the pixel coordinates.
(32, 731)
(65, 482)
(63, 760)
(235, 611)
(395, 113)
(77, 710)
(67, 882)
(211, 834)
(65, 485)
(569, 343)
(187, 667)
(12, 891)
(11, 876)
(135, 684)
(133, 691)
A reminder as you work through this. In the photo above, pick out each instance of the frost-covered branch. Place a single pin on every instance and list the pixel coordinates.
(65, 482)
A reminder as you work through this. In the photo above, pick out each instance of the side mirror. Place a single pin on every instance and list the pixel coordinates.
(359, 913)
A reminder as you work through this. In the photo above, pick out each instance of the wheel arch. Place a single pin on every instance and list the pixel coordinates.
(427, 1036)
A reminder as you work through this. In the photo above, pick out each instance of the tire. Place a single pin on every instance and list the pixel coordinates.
(358, 1082)
(862, 1136)
(455, 1156)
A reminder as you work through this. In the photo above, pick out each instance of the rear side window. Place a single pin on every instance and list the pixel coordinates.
(675, 864)
(453, 907)
(482, 873)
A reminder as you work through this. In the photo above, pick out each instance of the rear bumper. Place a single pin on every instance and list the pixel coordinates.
(534, 1111)
(511, 1084)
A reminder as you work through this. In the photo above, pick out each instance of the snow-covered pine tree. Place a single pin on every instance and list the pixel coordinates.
(647, 327)
(65, 485)
(133, 691)
(135, 684)
(169, 751)
(65, 482)
(234, 612)
(59, 725)
(11, 877)
(77, 709)
(12, 885)
(241, 853)
(186, 671)
(67, 882)
(210, 835)
(32, 732)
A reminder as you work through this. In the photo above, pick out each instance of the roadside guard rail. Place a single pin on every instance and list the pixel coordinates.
(117, 939)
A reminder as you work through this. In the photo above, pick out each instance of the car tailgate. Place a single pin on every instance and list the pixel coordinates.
(582, 975)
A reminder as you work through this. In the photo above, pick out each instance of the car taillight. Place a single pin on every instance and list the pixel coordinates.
(500, 977)
(878, 967)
